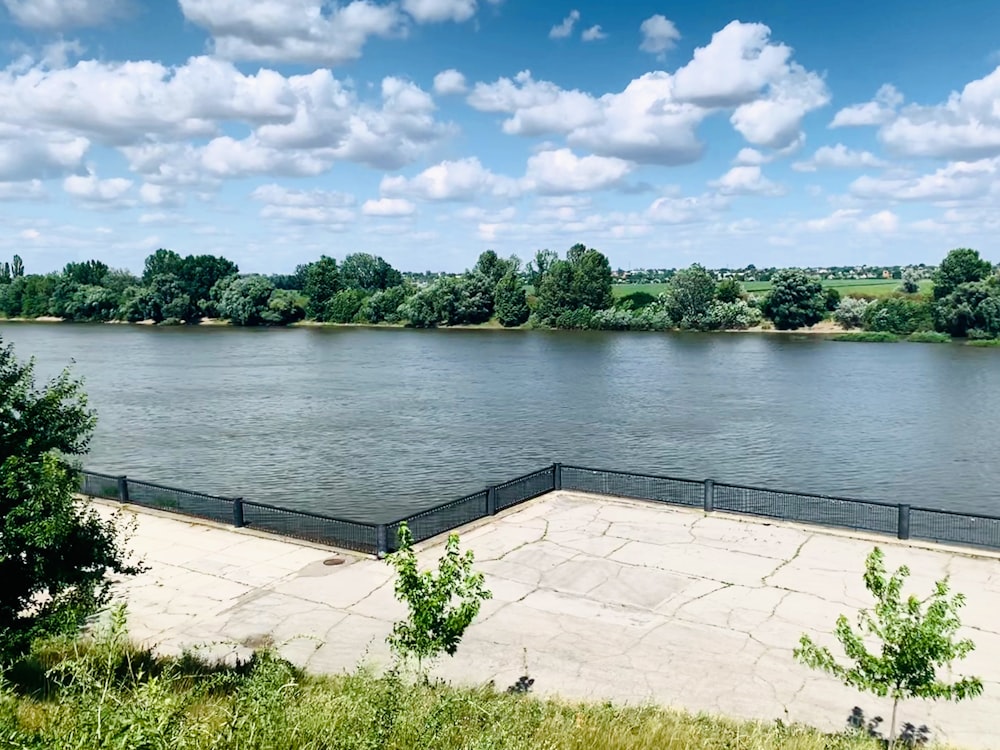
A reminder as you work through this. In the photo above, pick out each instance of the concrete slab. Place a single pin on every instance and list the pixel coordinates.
(601, 598)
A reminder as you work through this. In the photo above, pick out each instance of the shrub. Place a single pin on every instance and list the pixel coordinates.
(795, 300)
(635, 301)
(910, 282)
(384, 306)
(733, 315)
(728, 290)
(850, 312)
(344, 306)
(831, 297)
(613, 320)
(929, 337)
(511, 303)
(872, 337)
(579, 318)
(898, 315)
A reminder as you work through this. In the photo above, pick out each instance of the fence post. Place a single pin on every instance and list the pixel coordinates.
(903, 525)
(122, 489)
(709, 495)
(557, 476)
(381, 541)
(491, 501)
(238, 513)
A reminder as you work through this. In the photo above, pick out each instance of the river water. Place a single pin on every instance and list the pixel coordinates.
(373, 424)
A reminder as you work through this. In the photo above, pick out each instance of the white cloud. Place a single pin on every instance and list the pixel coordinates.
(839, 219)
(536, 107)
(304, 31)
(746, 180)
(876, 112)
(25, 190)
(97, 192)
(34, 155)
(448, 82)
(838, 157)
(565, 28)
(659, 34)
(882, 222)
(750, 157)
(305, 206)
(686, 209)
(159, 195)
(62, 14)
(562, 171)
(956, 181)
(461, 180)
(388, 207)
(435, 11)
(593, 34)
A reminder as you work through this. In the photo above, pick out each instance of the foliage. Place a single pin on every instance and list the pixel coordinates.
(555, 292)
(369, 273)
(344, 306)
(384, 306)
(441, 605)
(871, 337)
(581, 282)
(971, 306)
(909, 281)
(540, 266)
(960, 266)
(55, 555)
(592, 280)
(928, 337)
(322, 281)
(579, 318)
(899, 315)
(253, 301)
(831, 297)
(983, 342)
(199, 273)
(850, 313)
(420, 310)
(915, 639)
(510, 301)
(283, 308)
(728, 290)
(795, 300)
(91, 272)
(689, 294)
(161, 262)
(494, 267)
(634, 301)
(164, 297)
(736, 315)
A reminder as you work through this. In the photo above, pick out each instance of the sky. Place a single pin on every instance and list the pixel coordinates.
(773, 132)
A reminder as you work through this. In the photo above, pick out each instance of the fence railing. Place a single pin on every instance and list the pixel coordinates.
(900, 520)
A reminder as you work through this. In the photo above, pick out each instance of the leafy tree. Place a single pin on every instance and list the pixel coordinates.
(322, 282)
(575, 253)
(730, 316)
(540, 266)
(728, 290)
(199, 273)
(970, 307)
(384, 306)
(17, 267)
(344, 306)
(511, 303)
(441, 605)
(90, 272)
(915, 639)
(634, 301)
(118, 280)
(5, 277)
(960, 266)
(283, 307)
(831, 298)
(592, 280)
(794, 301)
(689, 294)
(160, 263)
(494, 267)
(92, 303)
(162, 298)
(909, 281)
(421, 310)
(555, 291)
(55, 553)
(850, 313)
(368, 273)
(474, 301)
(245, 301)
(898, 315)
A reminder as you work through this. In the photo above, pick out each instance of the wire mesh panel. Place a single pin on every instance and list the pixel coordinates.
(180, 501)
(95, 484)
(641, 486)
(955, 528)
(819, 509)
(312, 527)
(443, 518)
(524, 488)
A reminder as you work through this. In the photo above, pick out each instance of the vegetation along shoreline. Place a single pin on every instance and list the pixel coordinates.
(960, 299)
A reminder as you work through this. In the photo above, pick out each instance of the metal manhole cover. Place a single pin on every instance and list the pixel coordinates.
(334, 561)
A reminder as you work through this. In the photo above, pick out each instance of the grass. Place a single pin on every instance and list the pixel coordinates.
(984, 342)
(846, 287)
(109, 693)
(874, 337)
(929, 337)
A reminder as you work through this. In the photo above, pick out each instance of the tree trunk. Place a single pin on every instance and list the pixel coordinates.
(892, 724)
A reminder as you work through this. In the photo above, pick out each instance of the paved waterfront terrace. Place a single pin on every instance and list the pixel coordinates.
(604, 598)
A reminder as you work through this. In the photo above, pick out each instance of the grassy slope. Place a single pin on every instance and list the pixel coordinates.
(847, 287)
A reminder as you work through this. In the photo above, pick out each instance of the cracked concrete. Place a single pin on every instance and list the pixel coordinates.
(604, 598)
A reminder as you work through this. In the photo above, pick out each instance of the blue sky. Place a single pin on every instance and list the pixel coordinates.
(426, 131)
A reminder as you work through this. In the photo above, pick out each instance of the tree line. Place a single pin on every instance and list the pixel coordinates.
(573, 292)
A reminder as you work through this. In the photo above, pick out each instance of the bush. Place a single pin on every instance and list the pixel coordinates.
(795, 300)
(344, 306)
(510, 302)
(579, 318)
(929, 337)
(635, 301)
(899, 315)
(384, 306)
(872, 337)
(850, 313)
(728, 290)
(832, 298)
(984, 342)
(736, 315)
(613, 320)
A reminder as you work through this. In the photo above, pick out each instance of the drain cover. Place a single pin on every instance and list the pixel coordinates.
(334, 561)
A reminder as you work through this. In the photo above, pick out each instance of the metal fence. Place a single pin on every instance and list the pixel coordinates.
(900, 520)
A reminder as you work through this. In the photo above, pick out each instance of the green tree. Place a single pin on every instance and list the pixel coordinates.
(17, 267)
(163, 298)
(344, 306)
(199, 273)
(592, 280)
(794, 301)
(441, 605)
(245, 301)
(322, 279)
(555, 292)
(384, 306)
(283, 307)
(969, 307)
(161, 262)
(899, 315)
(728, 290)
(494, 267)
(368, 273)
(831, 298)
(909, 281)
(960, 266)
(689, 294)
(90, 272)
(540, 266)
(421, 310)
(5, 277)
(915, 639)
(510, 301)
(55, 553)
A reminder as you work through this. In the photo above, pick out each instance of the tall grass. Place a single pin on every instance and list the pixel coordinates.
(107, 693)
(874, 337)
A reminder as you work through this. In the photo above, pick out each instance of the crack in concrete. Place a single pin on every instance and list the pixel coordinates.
(793, 558)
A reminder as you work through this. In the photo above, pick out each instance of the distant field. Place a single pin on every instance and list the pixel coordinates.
(847, 287)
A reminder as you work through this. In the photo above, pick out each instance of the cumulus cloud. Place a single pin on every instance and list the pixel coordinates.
(565, 28)
(838, 157)
(305, 206)
(959, 180)
(22, 191)
(436, 11)
(593, 34)
(746, 180)
(686, 209)
(448, 82)
(879, 223)
(659, 34)
(561, 171)
(96, 192)
(388, 207)
(461, 180)
(750, 157)
(879, 111)
(35, 155)
(53, 15)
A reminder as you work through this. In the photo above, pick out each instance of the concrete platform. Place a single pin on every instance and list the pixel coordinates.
(600, 597)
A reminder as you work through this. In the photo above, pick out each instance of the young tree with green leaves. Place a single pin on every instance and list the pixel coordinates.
(441, 605)
(511, 303)
(55, 553)
(795, 300)
(915, 639)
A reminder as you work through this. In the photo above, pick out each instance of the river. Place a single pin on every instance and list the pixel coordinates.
(373, 424)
